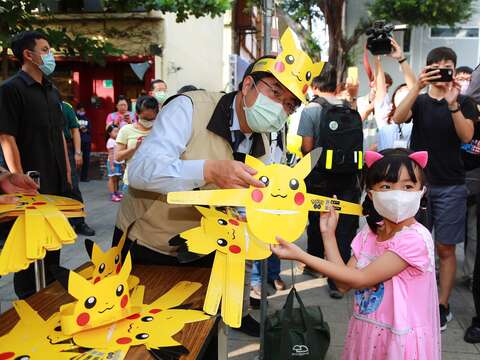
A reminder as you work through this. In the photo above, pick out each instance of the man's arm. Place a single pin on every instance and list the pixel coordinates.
(463, 124)
(67, 161)
(77, 145)
(308, 142)
(11, 153)
(306, 129)
(123, 153)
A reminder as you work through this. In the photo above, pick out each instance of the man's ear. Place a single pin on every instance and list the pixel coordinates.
(246, 85)
(27, 55)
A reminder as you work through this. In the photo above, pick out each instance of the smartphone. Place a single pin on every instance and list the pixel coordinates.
(445, 73)
(352, 75)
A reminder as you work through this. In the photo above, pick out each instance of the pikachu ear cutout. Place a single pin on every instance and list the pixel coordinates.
(288, 40)
(206, 211)
(121, 243)
(89, 247)
(253, 162)
(308, 162)
(76, 285)
(194, 234)
(126, 268)
(317, 69)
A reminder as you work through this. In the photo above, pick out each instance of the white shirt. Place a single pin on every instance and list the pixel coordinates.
(156, 165)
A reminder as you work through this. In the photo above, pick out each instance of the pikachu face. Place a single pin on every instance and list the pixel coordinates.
(281, 207)
(292, 67)
(222, 232)
(97, 304)
(105, 263)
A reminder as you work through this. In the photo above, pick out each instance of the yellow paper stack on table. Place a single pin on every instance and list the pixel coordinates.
(41, 225)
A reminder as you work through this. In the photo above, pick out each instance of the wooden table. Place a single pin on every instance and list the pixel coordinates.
(157, 280)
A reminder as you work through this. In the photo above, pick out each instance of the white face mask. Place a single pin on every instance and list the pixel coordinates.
(397, 205)
(145, 123)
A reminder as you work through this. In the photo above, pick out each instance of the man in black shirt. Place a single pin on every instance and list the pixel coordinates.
(31, 129)
(442, 121)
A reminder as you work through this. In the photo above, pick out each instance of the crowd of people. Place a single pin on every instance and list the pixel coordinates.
(404, 156)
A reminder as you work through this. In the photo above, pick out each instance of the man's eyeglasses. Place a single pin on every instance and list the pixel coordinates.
(278, 94)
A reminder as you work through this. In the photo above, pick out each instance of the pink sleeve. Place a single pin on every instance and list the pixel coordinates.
(109, 120)
(412, 248)
(358, 242)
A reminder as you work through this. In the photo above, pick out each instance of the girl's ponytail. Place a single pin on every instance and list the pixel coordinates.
(371, 215)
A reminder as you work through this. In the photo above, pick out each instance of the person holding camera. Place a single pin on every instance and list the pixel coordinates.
(122, 116)
(442, 121)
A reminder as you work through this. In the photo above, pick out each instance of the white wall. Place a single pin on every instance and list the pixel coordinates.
(200, 47)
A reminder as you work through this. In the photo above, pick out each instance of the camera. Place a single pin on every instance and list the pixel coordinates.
(378, 41)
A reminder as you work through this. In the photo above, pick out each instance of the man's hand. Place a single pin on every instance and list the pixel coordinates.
(427, 76)
(78, 160)
(230, 174)
(18, 183)
(451, 94)
(397, 52)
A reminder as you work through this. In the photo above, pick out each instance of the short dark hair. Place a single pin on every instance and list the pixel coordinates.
(464, 69)
(146, 102)
(258, 75)
(186, 88)
(156, 81)
(123, 98)
(327, 80)
(441, 53)
(25, 40)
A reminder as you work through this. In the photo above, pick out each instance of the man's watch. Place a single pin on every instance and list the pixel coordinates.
(457, 109)
(79, 153)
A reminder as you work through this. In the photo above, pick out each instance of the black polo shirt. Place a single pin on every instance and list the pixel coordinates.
(32, 113)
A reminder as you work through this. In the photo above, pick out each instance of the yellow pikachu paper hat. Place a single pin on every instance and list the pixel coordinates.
(292, 67)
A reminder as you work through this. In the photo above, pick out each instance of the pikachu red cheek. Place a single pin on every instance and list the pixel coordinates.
(154, 311)
(233, 222)
(124, 301)
(124, 340)
(257, 195)
(234, 249)
(279, 66)
(305, 88)
(299, 198)
(6, 355)
(83, 319)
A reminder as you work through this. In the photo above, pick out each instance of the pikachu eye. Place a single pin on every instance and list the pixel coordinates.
(119, 290)
(90, 302)
(101, 268)
(147, 318)
(265, 180)
(117, 259)
(289, 59)
(142, 336)
(22, 357)
(222, 242)
(308, 76)
(222, 222)
(294, 184)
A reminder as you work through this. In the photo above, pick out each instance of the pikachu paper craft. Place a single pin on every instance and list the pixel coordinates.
(232, 244)
(153, 325)
(280, 208)
(106, 263)
(97, 304)
(29, 338)
(41, 226)
(292, 67)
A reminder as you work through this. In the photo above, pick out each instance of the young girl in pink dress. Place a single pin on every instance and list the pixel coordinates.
(392, 270)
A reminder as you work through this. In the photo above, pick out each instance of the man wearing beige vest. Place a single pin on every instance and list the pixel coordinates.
(199, 141)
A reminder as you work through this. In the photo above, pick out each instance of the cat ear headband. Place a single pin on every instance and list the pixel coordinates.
(420, 157)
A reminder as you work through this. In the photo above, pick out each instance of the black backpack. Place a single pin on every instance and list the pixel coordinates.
(341, 137)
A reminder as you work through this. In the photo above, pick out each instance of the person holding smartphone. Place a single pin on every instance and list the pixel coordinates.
(122, 116)
(442, 121)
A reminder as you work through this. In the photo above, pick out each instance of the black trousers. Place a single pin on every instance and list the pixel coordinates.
(86, 149)
(346, 188)
(476, 270)
(144, 256)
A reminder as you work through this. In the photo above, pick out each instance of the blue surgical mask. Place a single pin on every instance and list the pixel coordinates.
(265, 115)
(161, 96)
(48, 65)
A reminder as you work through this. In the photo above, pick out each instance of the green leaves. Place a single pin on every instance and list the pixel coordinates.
(422, 12)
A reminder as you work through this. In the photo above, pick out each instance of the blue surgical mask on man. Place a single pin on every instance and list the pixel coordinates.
(265, 115)
(48, 64)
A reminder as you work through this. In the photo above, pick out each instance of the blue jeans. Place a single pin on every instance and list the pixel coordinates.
(273, 265)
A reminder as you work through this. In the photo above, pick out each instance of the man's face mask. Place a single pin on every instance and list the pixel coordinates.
(161, 96)
(463, 85)
(265, 115)
(48, 63)
(146, 123)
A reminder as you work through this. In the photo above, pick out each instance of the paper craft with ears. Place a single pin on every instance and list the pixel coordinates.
(41, 226)
(107, 263)
(29, 338)
(232, 244)
(153, 325)
(97, 304)
(280, 208)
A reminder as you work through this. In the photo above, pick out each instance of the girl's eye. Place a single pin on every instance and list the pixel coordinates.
(409, 187)
(385, 186)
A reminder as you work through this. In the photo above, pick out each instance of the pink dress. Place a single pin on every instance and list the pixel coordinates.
(399, 318)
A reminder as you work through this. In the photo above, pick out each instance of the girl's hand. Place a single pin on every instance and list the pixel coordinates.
(328, 223)
(286, 250)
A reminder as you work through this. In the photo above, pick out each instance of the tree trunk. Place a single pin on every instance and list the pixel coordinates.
(333, 13)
